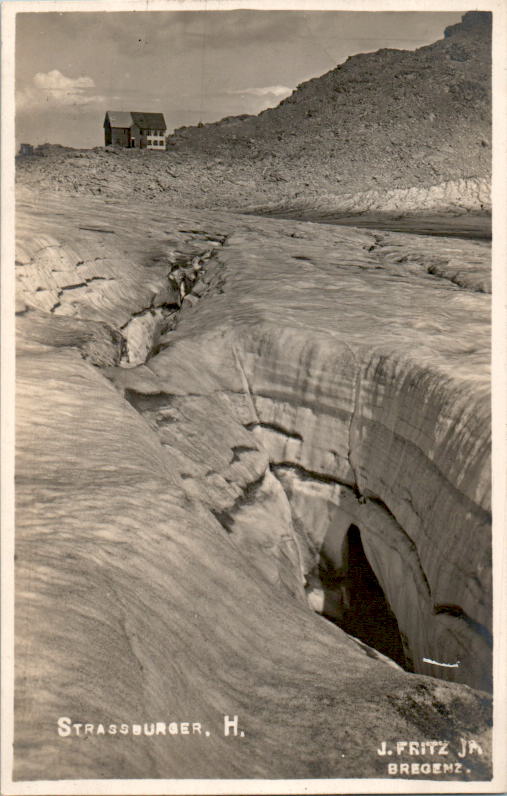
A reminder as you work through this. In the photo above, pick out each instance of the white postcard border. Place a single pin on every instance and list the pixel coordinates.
(499, 401)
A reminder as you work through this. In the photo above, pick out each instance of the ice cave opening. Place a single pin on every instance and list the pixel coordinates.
(354, 600)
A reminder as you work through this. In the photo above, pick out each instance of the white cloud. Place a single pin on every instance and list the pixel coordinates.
(55, 81)
(264, 91)
(53, 89)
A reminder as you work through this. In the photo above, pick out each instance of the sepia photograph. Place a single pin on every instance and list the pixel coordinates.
(251, 543)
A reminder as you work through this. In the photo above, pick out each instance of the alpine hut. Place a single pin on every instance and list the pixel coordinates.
(135, 130)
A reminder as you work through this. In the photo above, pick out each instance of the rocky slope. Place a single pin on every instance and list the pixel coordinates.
(392, 131)
(386, 120)
(300, 420)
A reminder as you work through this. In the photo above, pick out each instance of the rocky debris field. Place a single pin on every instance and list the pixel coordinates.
(185, 180)
(392, 131)
(193, 488)
(386, 120)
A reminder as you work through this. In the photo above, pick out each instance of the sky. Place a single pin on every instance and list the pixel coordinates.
(71, 67)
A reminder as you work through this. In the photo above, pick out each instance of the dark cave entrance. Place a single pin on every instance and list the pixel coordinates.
(354, 600)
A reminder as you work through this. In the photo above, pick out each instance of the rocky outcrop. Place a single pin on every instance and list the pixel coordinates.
(313, 428)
